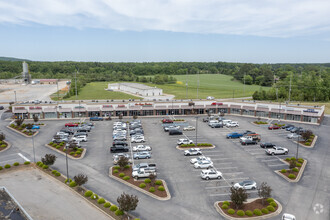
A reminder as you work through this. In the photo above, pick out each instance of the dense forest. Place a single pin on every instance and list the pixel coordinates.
(309, 82)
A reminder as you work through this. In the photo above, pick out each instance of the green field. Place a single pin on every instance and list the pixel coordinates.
(216, 85)
(95, 90)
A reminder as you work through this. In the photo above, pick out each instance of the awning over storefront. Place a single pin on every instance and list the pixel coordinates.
(20, 111)
(79, 110)
(49, 110)
(235, 106)
(248, 107)
(35, 111)
(161, 107)
(261, 109)
(93, 109)
(64, 110)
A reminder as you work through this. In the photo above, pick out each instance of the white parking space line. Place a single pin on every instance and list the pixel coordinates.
(255, 150)
(238, 178)
(269, 160)
(234, 173)
(276, 165)
(223, 194)
(223, 168)
(217, 187)
(21, 155)
(222, 163)
(257, 153)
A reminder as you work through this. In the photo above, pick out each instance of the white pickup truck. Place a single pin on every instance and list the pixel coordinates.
(143, 173)
(277, 150)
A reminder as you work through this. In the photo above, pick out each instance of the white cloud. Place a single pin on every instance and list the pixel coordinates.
(275, 18)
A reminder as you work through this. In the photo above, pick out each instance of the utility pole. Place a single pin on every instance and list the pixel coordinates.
(34, 154)
(187, 84)
(244, 84)
(75, 83)
(196, 129)
(15, 97)
(290, 87)
(297, 148)
(197, 83)
(58, 95)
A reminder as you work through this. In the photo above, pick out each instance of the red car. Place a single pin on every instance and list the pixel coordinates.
(273, 127)
(167, 121)
(217, 103)
(71, 124)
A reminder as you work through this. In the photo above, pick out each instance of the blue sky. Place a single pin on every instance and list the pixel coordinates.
(258, 31)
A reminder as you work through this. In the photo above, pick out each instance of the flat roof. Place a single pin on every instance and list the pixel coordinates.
(134, 85)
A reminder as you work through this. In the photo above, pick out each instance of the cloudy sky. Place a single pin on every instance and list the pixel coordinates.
(259, 31)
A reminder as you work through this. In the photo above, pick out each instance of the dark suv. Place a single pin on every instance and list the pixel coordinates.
(175, 132)
(118, 148)
(267, 145)
(122, 143)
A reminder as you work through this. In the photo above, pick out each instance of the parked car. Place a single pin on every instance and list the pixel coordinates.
(189, 128)
(246, 184)
(211, 174)
(59, 140)
(67, 130)
(295, 129)
(1, 107)
(184, 141)
(216, 125)
(253, 137)
(123, 143)
(138, 139)
(71, 124)
(175, 132)
(277, 150)
(141, 173)
(210, 98)
(141, 148)
(248, 142)
(273, 127)
(120, 155)
(290, 128)
(146, 166)
(35, 127)
(287, 216)
(204, 164)
(80, 134)
(80, 138)
(247, 132)
(142, 155)
(119, 148)
(62, 134)
(193, 151)
(293, 136)
(167, 128)
(120, 138)
(267, 145)
(286, 126)
(83, 129)
(205, 119)
(225, 122)
(167, 121)
(232, 124)
(200, 158)
(234, 135)
(96, 119)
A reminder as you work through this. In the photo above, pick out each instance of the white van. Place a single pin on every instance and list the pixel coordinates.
(225, 122)
(213, 122)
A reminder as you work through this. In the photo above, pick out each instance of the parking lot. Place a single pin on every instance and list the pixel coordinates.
(192, 197)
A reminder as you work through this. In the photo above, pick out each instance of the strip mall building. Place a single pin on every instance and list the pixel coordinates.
(75, 109)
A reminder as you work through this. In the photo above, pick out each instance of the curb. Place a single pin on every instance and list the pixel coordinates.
(312, 145)
(187, 148)
(273, 214)
(69, 156)
(299, 174)
(141, 190)
(22, 132)
(8, 146)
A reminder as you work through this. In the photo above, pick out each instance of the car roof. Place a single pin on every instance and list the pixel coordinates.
(247, 181)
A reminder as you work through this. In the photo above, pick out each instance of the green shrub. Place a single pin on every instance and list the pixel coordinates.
(152, 189)
(57, 174)
(94, 196)
(51, 143)
(274, 204)
(27, 162)
(158, 182)
(248, 213)
(41, 164)
(231, 211)
(147, 180)
(16, 164)
(107, 205)
(227, 203)
(73, 184)
(54, 145)
(161, 188)
(283, 171)
(116, 167)
(240, 213)
(224, 206)
(68, 180)
(119, 212)
(7, 166)
(300, 160)
(288, 159)
(64, 149)
(72, 153)
(78, 152)
(265, 211)
(257, 212)
(270, 208)
(142, 185)
(61, 144)
(3, 145)
(113, 208)
(127, 166)
(1, 142)
(45, 167)
(38, 163)
(121, 174)
(292, 176)
(75, 155)
(58, 147)
(126, 178)
(101, 201)
(310, 140)
(1, 167)
(54, 171)
(88, 193)
(115, 171)
(298, 164)
(308, 143)
(269, 200)
(295, 169)
(293, 158)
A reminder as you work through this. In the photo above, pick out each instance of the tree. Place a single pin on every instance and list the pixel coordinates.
(122, 162)
(292, 164)
(135, 117)
(19, 121)
(29, 126)
(80, 179)
(121, 117)
(2, 136)
(127, 202)
(238, 196)
(35, 118)
(306, 135)
(248, 80)
(49, 159)
(152, 178)
(264, 191)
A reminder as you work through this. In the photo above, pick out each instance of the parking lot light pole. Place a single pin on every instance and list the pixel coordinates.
(34, 154)
(297, 148)
(67, 165)
(196, 129)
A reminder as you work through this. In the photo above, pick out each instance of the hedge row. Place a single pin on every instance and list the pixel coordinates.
(257, 212)
(260, 122)
(198, 145)
(7, 166)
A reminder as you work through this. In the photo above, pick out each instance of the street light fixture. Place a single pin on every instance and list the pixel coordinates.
(196, 129)
(297, 147)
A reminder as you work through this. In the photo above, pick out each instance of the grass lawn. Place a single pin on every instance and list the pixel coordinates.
(95, 90)
(216, 85)
(327, 105)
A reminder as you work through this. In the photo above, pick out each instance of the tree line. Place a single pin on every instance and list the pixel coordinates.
(308, 81)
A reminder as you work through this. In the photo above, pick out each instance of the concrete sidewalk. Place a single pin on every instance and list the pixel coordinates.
(45, 198)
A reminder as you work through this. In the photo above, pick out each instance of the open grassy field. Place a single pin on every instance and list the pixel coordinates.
(216, 85)
(95, 90)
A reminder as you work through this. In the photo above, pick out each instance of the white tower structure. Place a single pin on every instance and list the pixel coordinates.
(25, 74)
